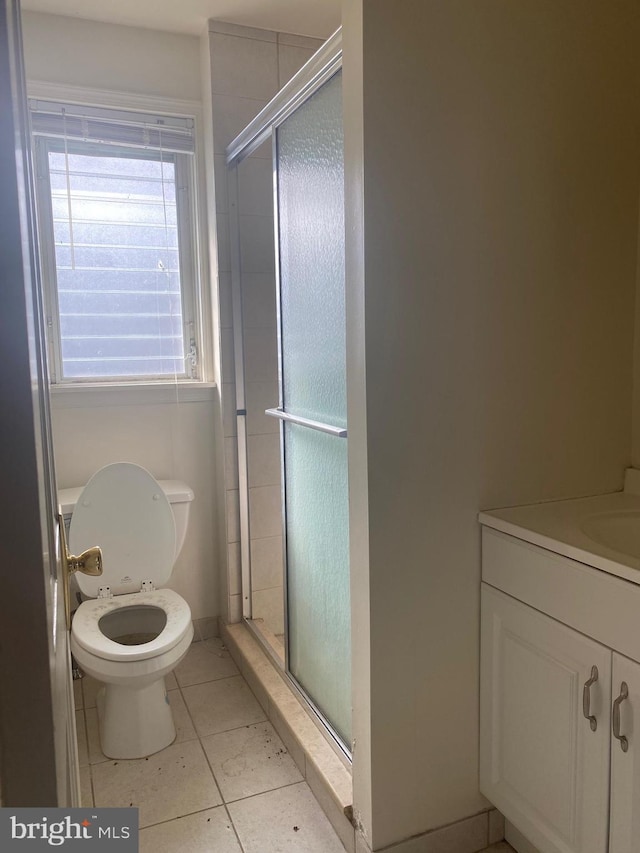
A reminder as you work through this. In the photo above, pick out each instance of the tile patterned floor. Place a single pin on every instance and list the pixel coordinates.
(227, 783)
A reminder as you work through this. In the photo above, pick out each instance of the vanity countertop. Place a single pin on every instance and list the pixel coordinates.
(559, 526)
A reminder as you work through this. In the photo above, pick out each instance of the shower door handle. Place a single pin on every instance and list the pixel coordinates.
(338, 432)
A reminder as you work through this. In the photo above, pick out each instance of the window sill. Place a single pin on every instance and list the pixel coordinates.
(90, 395)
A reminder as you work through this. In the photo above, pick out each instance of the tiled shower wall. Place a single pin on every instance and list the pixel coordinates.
(248, 66)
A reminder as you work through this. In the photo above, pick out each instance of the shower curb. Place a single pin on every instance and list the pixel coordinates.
(325, 773)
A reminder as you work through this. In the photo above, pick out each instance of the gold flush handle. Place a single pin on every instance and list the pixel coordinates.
(89, 563)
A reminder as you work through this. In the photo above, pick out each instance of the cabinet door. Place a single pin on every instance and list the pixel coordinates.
(625, 758)
(541, 763)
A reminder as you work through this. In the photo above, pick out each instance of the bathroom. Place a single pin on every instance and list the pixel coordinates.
(499, 348)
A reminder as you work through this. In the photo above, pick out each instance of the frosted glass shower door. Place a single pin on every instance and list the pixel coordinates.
(310, 196)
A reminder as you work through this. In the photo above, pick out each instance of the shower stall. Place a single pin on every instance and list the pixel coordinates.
(286, 199)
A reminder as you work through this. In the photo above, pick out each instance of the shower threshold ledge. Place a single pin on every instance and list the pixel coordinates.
(325, 773)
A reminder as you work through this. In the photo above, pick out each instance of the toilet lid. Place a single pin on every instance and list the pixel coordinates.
(124, 510)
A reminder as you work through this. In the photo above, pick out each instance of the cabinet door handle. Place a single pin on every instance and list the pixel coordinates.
(624, 693)
(586, 699)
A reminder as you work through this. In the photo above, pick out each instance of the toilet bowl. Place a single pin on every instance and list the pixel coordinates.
(130, 631)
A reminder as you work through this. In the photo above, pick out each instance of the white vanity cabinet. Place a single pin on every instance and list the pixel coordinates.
(541, 763)
(624, 835)
(558, 755)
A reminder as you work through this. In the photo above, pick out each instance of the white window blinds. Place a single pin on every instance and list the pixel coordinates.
(112, 127)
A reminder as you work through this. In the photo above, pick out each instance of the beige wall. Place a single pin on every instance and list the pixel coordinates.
(494, 148)
(176, 440)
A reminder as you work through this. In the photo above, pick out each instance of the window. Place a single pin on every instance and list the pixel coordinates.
(115, 215)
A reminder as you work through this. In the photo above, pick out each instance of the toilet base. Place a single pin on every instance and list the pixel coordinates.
(134, 722)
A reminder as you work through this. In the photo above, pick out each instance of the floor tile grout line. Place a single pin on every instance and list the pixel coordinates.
(208, 680)
(237, 728)
(268, 791)
(257, 794)
(199, 811)
(179, 817)
(217, 784)
(223, 731)
(86, 734)
(235, 828)
(204, 752)
(197, 736)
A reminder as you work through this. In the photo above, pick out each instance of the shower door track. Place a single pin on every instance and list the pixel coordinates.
(326, 62)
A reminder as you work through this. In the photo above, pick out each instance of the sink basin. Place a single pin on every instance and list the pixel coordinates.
(619, 531)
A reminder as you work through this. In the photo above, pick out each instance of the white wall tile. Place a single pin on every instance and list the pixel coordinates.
(233, 516)
(244, 67)
(221, 183)
(226, 354)
(231, 463)
(235, 608)
(241, 30)
(225, 297)
(261, 396)
(291, 59)
(255, 187)
(265, 511)
(257, 252)
(234, 568)
(231, 115)
(267, 567)
(258, 300)
(206, 629)
(222, 238)
(307, 42)
(263, 459)
(261, 355)
(264, 150)
(229, 408)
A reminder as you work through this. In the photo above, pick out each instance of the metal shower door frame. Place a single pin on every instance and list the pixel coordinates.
(323, 65)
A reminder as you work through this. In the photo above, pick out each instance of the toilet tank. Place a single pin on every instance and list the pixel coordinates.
(178, 494)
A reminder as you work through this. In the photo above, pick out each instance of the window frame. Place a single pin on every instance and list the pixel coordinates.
(190, 262)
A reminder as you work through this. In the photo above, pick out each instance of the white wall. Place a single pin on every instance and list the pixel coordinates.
(494, 150)
(175, 440)
(108, 56)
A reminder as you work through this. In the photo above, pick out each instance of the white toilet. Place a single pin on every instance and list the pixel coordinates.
(130, 633)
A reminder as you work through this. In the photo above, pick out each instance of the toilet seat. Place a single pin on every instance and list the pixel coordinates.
(86, 630)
